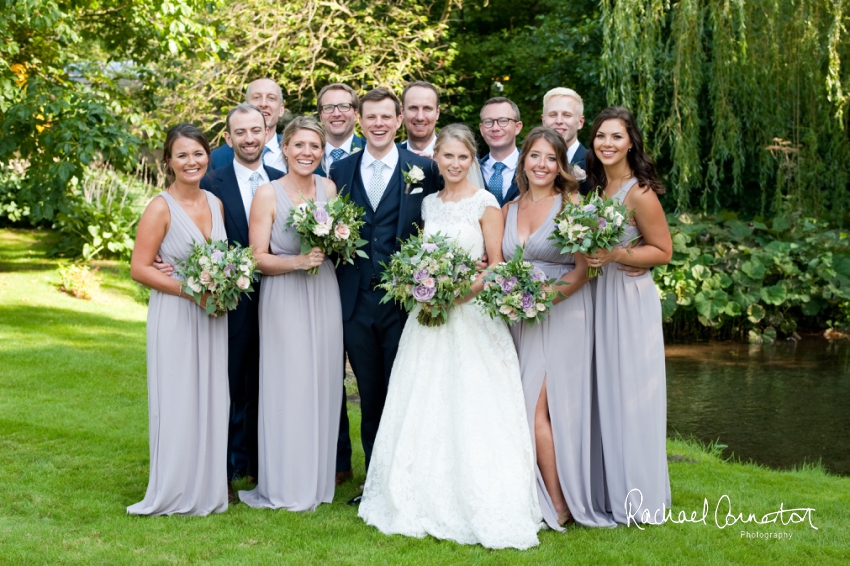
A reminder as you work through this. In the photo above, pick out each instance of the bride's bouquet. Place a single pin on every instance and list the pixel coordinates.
(223, 272)
(517, 290)
(430, 271)
(594, 223)
(333, 226)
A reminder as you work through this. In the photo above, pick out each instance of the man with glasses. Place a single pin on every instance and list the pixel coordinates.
(266, 95)
(500, 125)
(338, 105)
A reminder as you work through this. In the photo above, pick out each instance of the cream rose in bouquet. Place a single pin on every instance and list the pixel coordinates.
(225, 272)
(516, 290)
(334, 226)
(428, 272)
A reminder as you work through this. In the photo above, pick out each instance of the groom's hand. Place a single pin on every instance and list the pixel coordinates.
(482, 264)
(165, 268)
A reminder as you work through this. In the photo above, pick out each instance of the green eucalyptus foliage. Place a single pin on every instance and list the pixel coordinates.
(742, 102)
(730, 278)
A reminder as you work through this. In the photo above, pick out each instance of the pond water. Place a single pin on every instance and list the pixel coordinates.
(778, 405)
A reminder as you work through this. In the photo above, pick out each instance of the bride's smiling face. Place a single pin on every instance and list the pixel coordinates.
(454, 159)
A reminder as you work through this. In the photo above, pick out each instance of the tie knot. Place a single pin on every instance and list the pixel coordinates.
(255, 177)
(266, 150)
(377, 165)
(498, 167)
(336, 154)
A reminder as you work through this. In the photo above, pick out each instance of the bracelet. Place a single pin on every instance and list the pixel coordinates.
(180, 291)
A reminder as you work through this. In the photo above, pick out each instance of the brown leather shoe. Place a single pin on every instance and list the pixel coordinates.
(344, 476)
(231, 495)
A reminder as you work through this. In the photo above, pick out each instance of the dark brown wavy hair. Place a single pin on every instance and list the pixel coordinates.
(564, 182)
(640, 162)
(183, 130)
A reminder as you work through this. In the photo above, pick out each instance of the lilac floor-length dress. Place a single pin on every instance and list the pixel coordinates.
(188, 392)
(300, 355)
(559, 350)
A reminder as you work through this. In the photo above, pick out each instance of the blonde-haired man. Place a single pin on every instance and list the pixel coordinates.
(563, 110)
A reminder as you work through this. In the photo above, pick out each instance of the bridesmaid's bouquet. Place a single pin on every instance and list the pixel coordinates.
(592, 224)
(517, 290)
(430, 271)
(225, 272)
(333, 226)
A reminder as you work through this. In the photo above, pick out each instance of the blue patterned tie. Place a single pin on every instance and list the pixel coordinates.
(494, 185)
(337, 154)
(265, 151)
(255, 182)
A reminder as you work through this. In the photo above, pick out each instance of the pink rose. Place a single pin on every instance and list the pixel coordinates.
(243, 282)
(342, 232)
(430, 283)
(205, 277)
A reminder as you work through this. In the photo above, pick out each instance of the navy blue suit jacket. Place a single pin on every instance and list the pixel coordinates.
(346, 175)
(513, 190)
(580, 159)
(356, 143)
(223, 155)
(222, 183)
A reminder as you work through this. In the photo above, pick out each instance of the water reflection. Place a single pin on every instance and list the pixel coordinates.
(776, 405)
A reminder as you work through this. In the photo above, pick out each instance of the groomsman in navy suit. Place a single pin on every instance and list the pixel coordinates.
(266, 95)
(420, 103)
(235, 183)
(374, 180)
(500, 125)
(337, 105)
(563, 110)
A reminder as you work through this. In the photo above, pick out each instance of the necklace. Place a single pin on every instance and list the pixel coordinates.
(538, 200)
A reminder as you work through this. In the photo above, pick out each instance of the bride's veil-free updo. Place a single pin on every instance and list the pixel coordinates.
(463, 134)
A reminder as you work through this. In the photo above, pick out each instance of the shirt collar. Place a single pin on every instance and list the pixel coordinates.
(510, 161)
(243, 173)
(429, 150)
(572, 150)
(346, 146)
(273, 145)
(389, 160)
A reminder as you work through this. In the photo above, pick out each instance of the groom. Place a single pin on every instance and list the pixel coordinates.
(374, 179)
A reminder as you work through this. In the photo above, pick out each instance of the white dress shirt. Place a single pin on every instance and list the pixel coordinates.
(243, 177)
(274, 156)
(507, 173)
(429, 150)
(572, 150)
(346, 147)
(390, 161)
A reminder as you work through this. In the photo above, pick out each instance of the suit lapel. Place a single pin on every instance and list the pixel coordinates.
(403, 165)
(232, 200)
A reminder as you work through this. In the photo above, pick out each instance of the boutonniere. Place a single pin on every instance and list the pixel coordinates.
(579, 173)
(355, 149)
(412, 176)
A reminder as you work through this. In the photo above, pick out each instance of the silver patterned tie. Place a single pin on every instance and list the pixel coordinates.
(255, 182)
(376, 184)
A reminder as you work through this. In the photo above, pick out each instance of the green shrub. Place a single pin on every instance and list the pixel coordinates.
(759, 280)
(79, 281)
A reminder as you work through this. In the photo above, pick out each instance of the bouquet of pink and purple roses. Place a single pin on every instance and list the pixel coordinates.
(429, 271)
(592, 224)
(333, 226)
(225, 272)
(516, 290)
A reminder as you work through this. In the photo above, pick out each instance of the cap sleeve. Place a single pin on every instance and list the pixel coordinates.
(485, 199)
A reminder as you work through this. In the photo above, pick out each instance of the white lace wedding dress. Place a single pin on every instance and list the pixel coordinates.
(453, 456)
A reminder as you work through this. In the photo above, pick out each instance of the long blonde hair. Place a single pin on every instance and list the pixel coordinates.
(303, 123)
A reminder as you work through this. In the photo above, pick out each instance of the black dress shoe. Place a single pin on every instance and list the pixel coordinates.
(355, 501)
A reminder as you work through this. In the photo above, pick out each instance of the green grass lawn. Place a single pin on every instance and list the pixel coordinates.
(73, 428)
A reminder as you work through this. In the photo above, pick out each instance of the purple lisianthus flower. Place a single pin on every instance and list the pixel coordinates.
(462, 268)
(602, 223)
(508, 285)
(422, 293)
(228, 271)
(420, 275)
(590, 208)
(321, 215)
(538, 275)
(527, 301)
(217, 255)
(430, 247)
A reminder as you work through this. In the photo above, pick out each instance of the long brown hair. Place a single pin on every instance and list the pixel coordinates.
(183, 130)
(564, 181)
(640, 162)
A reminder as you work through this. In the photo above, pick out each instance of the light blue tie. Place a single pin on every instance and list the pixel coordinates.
(376, 184)
(255, 182)
(265, 152)
(495, 184)
(337, 154)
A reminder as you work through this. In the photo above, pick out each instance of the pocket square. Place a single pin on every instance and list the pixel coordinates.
(416, 190)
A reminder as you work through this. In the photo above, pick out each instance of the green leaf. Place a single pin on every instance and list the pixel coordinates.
(668, 305)
(769, 335)
(755, 313)
(773, 295)
(711, 304)
(733, 309)
(753, 269)
(700, 272)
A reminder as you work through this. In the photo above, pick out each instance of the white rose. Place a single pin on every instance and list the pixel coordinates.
(243, 283)
(322, 229)
(579, 173)
(531, 313)
(541, 307)
(204, 261)
(194, 285)
(417, 174)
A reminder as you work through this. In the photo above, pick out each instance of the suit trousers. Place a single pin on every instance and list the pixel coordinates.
(243, 371)
(371, 339)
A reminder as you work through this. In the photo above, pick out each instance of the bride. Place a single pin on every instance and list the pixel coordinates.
(453, 456)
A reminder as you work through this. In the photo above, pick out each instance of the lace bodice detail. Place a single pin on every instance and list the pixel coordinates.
(459, 220)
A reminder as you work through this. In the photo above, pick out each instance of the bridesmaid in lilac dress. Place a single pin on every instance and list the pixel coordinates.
(630, 367)
(300, 337)
(188, 391)
(556, 353)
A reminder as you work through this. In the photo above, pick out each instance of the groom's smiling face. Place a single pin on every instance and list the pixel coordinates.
(380, 123)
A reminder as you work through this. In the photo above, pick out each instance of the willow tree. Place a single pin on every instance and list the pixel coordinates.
(306, 44)
(744, 102)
